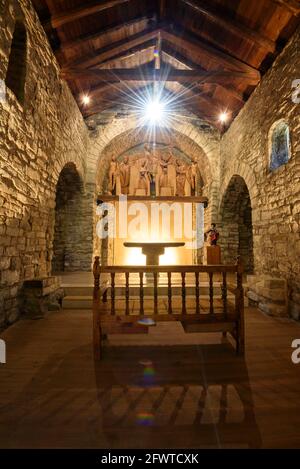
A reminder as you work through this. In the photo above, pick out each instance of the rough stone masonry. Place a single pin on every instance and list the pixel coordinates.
(45, 135)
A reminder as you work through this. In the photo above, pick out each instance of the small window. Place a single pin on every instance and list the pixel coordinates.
(280, 145)
(16, 70)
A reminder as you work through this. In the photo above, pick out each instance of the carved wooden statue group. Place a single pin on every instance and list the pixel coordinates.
(155, 172)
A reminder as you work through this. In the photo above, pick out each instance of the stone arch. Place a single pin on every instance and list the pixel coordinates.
(236, 226)
(207, 140)
(124, 143)
(68, 240)
(121, 135)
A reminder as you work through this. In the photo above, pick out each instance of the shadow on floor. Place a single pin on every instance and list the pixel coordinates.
(176, 397)
(136, 397)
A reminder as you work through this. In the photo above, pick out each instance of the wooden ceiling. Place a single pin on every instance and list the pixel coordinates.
(211, 55)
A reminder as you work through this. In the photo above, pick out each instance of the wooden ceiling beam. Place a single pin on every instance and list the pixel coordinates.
(112, 50)
(115, 75)
(60, 19)
(199, 114)
(183, 64)
(83, 41)
(138, 53)
(292, 5)
(197, 48)
(105, 102)
(162, 9)
(233, 26)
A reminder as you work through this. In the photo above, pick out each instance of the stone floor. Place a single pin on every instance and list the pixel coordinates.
(197, 393)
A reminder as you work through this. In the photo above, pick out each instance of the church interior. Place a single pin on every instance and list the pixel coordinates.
(150, 224)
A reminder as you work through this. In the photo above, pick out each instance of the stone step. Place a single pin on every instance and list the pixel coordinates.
(77, 302)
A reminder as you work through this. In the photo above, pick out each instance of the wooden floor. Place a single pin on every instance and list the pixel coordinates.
(52, 394)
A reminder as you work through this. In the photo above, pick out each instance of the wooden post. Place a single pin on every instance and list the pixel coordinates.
(211, 293)
(183, 293)
(240, 308)
(113, 293)
(127, 292)
(141, 293)
(224, 293)
(197, 293)
(96, 314)
(170, 292)
(155, 293)
(96, 273)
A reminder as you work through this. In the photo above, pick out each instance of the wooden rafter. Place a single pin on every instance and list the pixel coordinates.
(115, 75)
(85, 40)
(105, 98)
(114, 49)
(73, 14)
(162, 9)
(292, 5)
(233, 26)
(139, 54)
(197, 48)
(183, 64)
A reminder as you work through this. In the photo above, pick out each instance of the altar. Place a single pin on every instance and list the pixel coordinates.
(153, 251)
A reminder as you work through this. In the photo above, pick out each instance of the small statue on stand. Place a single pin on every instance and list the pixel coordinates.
(213, 235)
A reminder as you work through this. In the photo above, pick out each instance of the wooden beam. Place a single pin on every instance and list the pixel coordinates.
(197, 48)
(73, 14)
(85, 40)
(182, 63)
(233, 26)
(199, 113)
(139, 53)
(105, 97)
(115, 75)
(292, 5)
(112, 50)
(160, 198)
(162, 9)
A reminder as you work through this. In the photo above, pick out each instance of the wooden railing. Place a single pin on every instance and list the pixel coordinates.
(229, 278)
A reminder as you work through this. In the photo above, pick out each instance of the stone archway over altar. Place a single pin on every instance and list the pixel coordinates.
(162, 186)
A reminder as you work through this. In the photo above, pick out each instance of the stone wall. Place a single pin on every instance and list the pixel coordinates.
(37, 139)
(274, 196)
(43, 131)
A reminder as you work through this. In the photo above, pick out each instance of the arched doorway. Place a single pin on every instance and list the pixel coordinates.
(236, 224)
(66, 242)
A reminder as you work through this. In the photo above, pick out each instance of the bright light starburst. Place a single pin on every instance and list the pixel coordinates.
(155, 111)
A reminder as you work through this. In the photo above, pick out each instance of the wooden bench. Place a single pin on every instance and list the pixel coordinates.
(120, 313)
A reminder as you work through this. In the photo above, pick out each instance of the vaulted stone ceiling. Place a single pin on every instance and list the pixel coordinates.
(210, 55)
